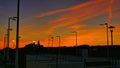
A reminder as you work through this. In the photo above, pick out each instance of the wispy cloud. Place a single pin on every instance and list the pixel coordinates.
(75, 15)
(62, 10)
(74, 19)
(76, 27)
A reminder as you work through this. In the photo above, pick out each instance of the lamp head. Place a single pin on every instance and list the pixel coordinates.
(13, 18)
(111, 27)
(106, 23)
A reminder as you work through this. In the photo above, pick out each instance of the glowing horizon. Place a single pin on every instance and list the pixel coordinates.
(62, 18)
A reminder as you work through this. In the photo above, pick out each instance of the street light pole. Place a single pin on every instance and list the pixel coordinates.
(111, 30)
(107, 33)
(59, 40)
(5, 36)
(52, 40)
(76, 36)
(107, 40)
(76, 41)
(8, 35)
(48, 42)
(57, 54)
(49, 37)
(111, 37)
(17, 36)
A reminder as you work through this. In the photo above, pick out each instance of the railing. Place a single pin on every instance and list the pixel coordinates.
(49, 61)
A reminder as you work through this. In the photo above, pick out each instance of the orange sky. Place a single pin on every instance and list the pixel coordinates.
(83, 18)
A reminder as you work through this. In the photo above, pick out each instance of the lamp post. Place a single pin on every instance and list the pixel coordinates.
(5, 37)
(17, 36)
(59, 40)
(57, 54)
(111, 30)
(76, 41)
(76, 36)
(106, 24)
(48, 42)
(59, 44)
(107, 42)
(52, 40)
(8, 34)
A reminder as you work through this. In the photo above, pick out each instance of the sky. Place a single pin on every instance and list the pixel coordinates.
(43, 19)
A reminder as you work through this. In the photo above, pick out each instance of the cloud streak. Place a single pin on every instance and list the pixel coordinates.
(75, 15)
(68, 9)
(110, 10)
(74, 19)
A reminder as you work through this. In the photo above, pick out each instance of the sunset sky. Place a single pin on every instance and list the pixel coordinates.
(41, 19)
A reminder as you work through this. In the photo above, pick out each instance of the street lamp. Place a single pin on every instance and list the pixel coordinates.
(52, 40)
(106, 24)
(76, 41)
(49, 40)
(8, 34)
(5, 38)
(59, 40)
(59, 44)
(111, 30)
(107, 42)
(76, 36)
(57, 54)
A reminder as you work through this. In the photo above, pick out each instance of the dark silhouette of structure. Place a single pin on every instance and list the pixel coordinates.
(38, 49)
(8, 34)
(111, 30)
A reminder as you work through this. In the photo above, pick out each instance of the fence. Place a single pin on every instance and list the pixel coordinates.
(51, 61)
